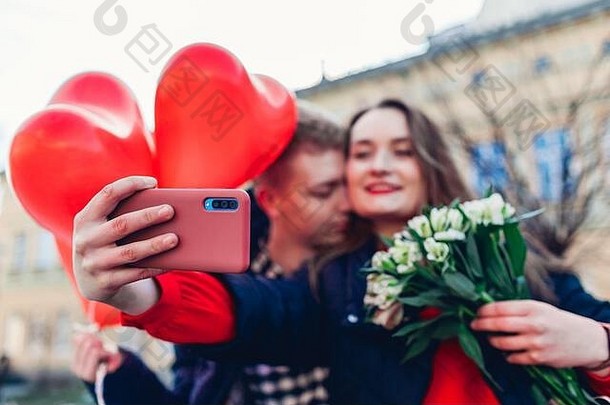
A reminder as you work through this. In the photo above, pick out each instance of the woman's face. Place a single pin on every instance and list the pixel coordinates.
(384, 178)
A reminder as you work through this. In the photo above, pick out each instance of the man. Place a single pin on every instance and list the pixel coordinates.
(303, 195)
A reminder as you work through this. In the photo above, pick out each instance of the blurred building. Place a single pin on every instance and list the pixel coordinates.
(535, 74)
(39, 306)
(37, 303)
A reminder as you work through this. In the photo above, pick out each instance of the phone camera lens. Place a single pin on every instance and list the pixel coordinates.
(215, 204)
(233, 204)
(224, 204)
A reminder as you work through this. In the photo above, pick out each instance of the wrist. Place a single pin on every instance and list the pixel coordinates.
(604, 364)
(137, 297)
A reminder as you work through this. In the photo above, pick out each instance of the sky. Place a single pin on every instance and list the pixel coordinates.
(43, 43)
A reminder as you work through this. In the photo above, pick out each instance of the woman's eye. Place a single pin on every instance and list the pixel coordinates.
(360, 154)
(404, 152)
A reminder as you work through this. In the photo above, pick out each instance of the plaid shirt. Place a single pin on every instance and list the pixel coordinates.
(275, 385)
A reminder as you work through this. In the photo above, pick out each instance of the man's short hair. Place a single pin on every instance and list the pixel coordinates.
(317, 130)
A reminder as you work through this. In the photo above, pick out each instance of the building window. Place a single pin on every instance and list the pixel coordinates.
(38, 336)
(542, 65)
(553, 161)
(14, 335)
(605, 131)
(606, 149)
(489, 161)
(62, 336)
(478, 78)
(47, 257)
(606, 48)
(19, 253)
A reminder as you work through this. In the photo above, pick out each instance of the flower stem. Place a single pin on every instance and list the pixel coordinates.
(486, 298)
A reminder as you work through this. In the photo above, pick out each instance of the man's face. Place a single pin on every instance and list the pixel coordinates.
(311, 201)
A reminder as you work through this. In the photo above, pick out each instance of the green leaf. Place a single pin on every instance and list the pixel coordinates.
(416, 237)
(446, 329)
(472, 349)
(538, 396)
(492, 264)
(388, 242)
(425, 299)
(473, 256)
(516, 248)
(388, 265)
(530, 214)
(461, 261)
(461, 285)
(523, 291)
(417, 346)
(412, 327)
(455, 203)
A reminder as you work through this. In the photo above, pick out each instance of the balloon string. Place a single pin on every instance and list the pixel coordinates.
(100, 375)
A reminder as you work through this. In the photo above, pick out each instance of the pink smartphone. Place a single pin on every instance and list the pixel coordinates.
(213, 228)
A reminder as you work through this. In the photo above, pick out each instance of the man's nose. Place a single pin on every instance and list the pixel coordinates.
(344, 203)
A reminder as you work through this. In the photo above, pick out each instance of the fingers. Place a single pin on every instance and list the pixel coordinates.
(510, 308)
(509, 324)
(89, 352)
(106, 200)
(517, 343)
(113, 257)
(119, 227)
(531, 357)
(118, 278)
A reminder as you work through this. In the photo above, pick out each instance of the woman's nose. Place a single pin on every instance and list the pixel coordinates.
(380, 163)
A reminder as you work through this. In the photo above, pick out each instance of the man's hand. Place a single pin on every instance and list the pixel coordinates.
(89, 352)
(100, 266)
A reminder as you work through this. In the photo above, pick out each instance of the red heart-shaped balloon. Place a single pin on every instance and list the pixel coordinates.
(216, 125)
(89, 135)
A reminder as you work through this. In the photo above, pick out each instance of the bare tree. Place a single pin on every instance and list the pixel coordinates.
(583, 177)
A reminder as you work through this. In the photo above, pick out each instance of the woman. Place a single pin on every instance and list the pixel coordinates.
(397, 163)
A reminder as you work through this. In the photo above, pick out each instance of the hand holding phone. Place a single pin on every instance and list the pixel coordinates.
(212, 225)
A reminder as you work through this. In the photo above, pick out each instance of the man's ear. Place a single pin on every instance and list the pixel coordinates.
(266, 200)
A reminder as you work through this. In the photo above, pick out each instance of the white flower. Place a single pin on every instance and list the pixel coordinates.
(390, 317)
(474, 210)
(457, 221)
(421, 225)
(438, 219)
(382, 290)
(437, 251)
(402, 236)
(497, 203)
(405, 268)
(449, 235)
(493, 213)
(491, 210)
(405, 252)
(379, 258)
(400, 254)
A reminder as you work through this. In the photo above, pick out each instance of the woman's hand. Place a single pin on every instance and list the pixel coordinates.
(100, 266)
(541, 334)
(89, 352)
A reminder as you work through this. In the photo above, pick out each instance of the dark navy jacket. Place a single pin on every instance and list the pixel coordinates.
(196, 382)
(281, 321)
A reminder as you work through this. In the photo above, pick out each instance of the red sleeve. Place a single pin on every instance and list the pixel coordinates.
(600, 385)
(194, 307)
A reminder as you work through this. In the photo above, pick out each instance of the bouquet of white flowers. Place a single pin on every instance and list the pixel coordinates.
(457, 258)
